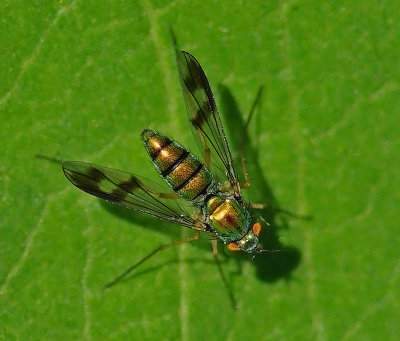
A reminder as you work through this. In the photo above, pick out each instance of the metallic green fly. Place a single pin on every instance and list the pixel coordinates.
(202, 195)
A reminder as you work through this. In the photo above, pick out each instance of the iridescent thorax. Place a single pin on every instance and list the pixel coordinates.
(227, 218)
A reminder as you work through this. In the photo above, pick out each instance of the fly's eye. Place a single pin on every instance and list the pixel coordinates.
(257, 229)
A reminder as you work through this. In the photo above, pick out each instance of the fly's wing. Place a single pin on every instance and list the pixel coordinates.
(130, 191)
(204, 117)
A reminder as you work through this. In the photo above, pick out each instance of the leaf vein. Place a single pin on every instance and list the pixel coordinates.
(35, 52)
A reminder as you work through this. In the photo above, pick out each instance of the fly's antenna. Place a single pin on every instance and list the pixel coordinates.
(270, 251)
(257, 251)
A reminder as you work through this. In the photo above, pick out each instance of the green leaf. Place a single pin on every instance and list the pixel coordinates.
(80, 80)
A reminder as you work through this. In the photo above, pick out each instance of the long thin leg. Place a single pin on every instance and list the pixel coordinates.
(222, 274)
(246, 183)
(160, 248)
(259, 206)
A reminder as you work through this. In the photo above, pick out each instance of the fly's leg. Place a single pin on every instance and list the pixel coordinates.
(246, 183)
(222, 274)
(259, 206)
(160, 248)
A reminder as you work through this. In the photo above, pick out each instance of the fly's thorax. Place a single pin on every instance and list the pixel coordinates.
(182, 171)
(227, 217)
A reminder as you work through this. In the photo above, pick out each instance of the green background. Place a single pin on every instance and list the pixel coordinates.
(81, 79)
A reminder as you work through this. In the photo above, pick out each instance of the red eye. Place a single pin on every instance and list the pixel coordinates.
(233, 247)
(257, 229)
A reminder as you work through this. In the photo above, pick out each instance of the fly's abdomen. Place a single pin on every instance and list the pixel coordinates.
(183, 172)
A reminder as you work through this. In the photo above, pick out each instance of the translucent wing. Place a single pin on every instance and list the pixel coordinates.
(128, 190)
(204, 117)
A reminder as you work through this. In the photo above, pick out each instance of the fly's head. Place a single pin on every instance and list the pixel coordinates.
(249, 243)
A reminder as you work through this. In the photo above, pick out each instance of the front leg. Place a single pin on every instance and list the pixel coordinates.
(260, 206)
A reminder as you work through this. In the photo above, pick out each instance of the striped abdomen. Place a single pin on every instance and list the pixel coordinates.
(183, 172)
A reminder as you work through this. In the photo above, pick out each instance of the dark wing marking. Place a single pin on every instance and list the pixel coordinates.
(130, 191)
(204, 116)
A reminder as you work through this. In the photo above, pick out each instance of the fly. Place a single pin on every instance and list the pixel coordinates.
(204, 196)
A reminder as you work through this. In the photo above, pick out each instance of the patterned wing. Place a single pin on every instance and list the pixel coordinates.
(204, 116)
(130, 191)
